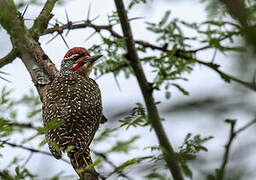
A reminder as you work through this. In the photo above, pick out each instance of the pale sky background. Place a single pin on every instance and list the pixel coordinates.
(202, 81)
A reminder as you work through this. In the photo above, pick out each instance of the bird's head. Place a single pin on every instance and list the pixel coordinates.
(78, 60)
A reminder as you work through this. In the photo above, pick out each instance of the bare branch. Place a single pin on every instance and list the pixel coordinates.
(24, 125)
(102, 155)
(232, 135)
(8, 58)
(227, 149)
(154, 118)
(228, 78)
(184, 54)
(145, 44)
(30, 149)
(43, 19)
(246, 126)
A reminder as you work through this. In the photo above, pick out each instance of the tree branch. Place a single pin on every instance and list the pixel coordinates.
(43, 19)
(226, 77)
(111, 164)
(232, 135)
(40, 67)
(8, 58)
(237, 9)
(179, 53)
(147, 91)
(31, 149)
(23, 125)
(145, 44)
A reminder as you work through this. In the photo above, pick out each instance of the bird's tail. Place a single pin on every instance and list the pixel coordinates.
(80, 160)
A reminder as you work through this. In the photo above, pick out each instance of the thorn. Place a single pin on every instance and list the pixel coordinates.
(96, 78)
(214, 55)
(52, 24)
(58, 22)
(77, 22)
(25, 10)
(131, 19)
(89, 11)
(95, 18)
(101, 35)
(89, 37)
(117, 83)
(2, 72)
(67, 33)
(52, 38)
(64, 40)
(66, 13)
(5, 79)
(135, 18)
(28, 19)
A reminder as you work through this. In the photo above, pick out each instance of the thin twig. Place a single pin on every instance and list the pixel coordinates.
(102, 155)
(27, 160)
(143, 43)
(246, 126)
(228, 35)
(226, 77)
(179, 53)
(232, 135)
(227, 149)
(31, 150)
(24, 125)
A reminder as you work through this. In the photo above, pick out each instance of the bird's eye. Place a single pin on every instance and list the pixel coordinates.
(75, 58)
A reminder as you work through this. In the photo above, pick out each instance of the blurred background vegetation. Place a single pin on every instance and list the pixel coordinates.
(203, 74)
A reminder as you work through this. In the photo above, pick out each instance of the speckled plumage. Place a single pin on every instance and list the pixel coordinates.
(75, 100)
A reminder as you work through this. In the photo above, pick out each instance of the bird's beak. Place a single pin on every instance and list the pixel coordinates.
(83, 60)
(92, 59)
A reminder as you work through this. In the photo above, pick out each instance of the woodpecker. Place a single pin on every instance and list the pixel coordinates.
(73, 99)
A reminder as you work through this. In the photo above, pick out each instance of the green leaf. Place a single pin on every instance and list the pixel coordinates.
(97, 162)
(193, 145)
(165, 18)
(136, 118)
(54, 123)
(34, 113)
(69, 148)
(180, 88)
(155, 175)
(186, 170)
(43, 142)
(124, 146)
(134, 2)
(129, 163)
(167, 95)
(108, 132)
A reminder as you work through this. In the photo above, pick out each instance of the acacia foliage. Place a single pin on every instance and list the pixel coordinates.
(175, 56)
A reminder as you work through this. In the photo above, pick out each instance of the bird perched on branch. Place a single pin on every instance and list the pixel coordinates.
(74, 100)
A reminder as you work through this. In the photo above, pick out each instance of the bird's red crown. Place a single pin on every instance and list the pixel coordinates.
(77, 50)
